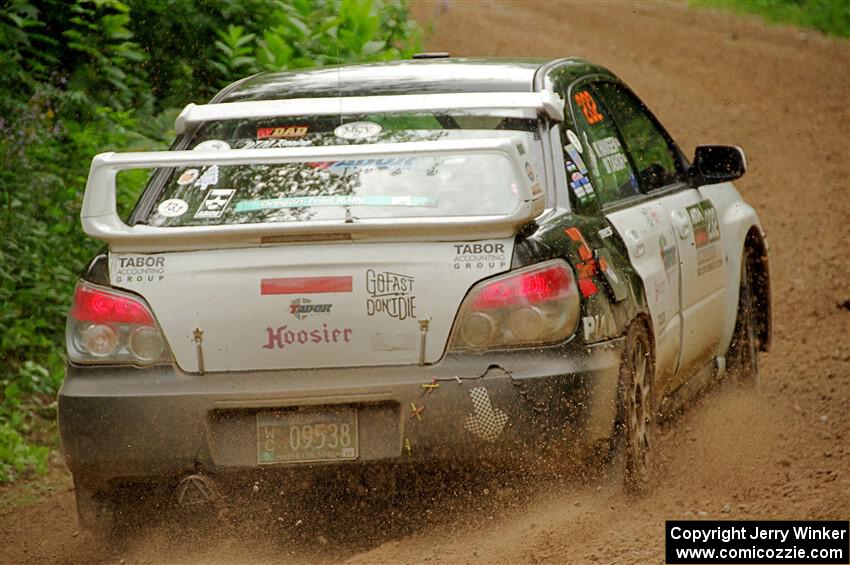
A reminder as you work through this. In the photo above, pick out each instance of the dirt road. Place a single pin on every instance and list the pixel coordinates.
(780, 452)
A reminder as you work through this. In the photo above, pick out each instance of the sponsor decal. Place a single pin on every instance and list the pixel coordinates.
(138, 268)
(582, 187)
(281, 132)
(573, 153)
(587, 267)
(598, 327)
(272, 143)
(215, 203)
(305, 285)
(378, 163)
(358, 130)
(706, 230)
(283, 337)
(574, 140)
(650, 214)
(212, 145)
(304, 307)
(210, 176)
(188, 177)
(172, 207)
(520, 148)
(479, 255)
(609, 150)
(335, 200)
(668, 256)
(390, 293)
(588, 107)
(660, 287)
(486, 421)
(529, 170)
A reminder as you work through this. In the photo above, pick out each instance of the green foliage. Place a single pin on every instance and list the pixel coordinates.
(86, 76)
(829, 16)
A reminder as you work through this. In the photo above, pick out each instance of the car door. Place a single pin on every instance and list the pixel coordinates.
(696, 237)
(638, 218)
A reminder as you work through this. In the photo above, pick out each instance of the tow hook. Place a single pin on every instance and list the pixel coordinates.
(197, 489)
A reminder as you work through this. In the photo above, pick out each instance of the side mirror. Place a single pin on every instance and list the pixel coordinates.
(717, 163)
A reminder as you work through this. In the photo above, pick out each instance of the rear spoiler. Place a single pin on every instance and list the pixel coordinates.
(545, 101)
(101, 221)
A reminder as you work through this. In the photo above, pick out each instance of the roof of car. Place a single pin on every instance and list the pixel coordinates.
(446, 75)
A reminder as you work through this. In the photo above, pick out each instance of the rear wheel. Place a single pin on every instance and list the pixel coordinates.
(742, 360)
(637, 376)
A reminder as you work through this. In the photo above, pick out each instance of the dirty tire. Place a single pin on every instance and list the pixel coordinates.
(637, 376)
(742, 360)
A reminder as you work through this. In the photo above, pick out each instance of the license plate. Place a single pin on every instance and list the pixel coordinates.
(299, 437)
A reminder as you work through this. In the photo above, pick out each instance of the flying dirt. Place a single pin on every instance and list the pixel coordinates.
(777, 452)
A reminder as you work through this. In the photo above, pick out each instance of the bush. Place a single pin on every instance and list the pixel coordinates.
(86, 76)
(829, 16)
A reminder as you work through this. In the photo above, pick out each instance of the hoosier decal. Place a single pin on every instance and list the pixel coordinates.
(283, 337)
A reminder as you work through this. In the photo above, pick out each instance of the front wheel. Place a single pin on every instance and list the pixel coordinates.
(638, 414)
(742, 360)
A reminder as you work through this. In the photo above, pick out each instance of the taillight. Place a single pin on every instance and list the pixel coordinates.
(536, 305)
(107, 326)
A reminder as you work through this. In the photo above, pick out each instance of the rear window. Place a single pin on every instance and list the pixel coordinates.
(392, 186)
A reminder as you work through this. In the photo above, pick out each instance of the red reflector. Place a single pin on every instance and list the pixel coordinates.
(92, 305)
(587, 287)
(527, 288)
(305, 285)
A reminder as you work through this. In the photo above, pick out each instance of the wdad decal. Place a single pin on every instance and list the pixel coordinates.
(281, 132)
(479, 256)
(390, 293)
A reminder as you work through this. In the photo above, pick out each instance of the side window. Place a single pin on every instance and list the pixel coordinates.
(597, 139)
(653, 157)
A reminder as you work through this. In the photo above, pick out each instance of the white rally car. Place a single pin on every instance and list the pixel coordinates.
(440, 259)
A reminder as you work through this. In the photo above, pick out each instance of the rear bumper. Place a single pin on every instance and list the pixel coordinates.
(161, 423)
